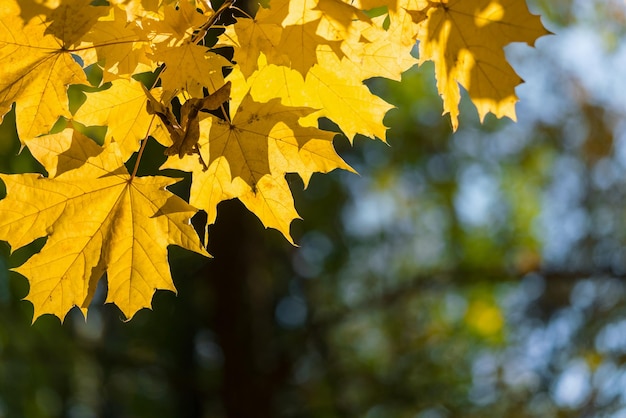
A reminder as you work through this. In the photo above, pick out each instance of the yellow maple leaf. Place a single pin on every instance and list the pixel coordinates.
(375, 51)
(337, 13)
(35, 72)
(97, 219)
(138, 9)
(119, 45)
(270, 199)
(70, 20)
(251, 37)
(122, 108)
(62, 151)
(244, 141)
(346, 101)
(182, 19)
(249, 157)
(301, 42)
(276, 12)
(289, 33)
(173, 25)
(272, 202)
(333, 87)
(405, 17)
(191, 67)
(465, 39)
(305, 152)
(32, 8)
(318, 22)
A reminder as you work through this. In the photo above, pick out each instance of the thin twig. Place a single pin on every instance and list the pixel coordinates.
(202, 30)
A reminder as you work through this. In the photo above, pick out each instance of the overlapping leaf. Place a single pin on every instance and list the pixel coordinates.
(191, 68)
(249, 156)
(119, 45)
(334, 89)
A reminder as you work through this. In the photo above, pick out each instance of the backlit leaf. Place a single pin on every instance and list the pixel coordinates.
(97, 220)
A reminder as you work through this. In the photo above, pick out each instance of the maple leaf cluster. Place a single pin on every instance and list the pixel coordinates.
(238, 112)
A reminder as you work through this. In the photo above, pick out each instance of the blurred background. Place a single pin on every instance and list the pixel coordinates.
(475, 274)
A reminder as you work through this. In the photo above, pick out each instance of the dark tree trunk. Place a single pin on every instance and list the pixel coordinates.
(243, 313)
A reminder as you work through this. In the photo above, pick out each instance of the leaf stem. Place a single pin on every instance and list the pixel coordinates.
(140, 154)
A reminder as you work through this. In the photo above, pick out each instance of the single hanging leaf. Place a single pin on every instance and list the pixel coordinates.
(465, 39)
(97, 220)
(165, 114)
